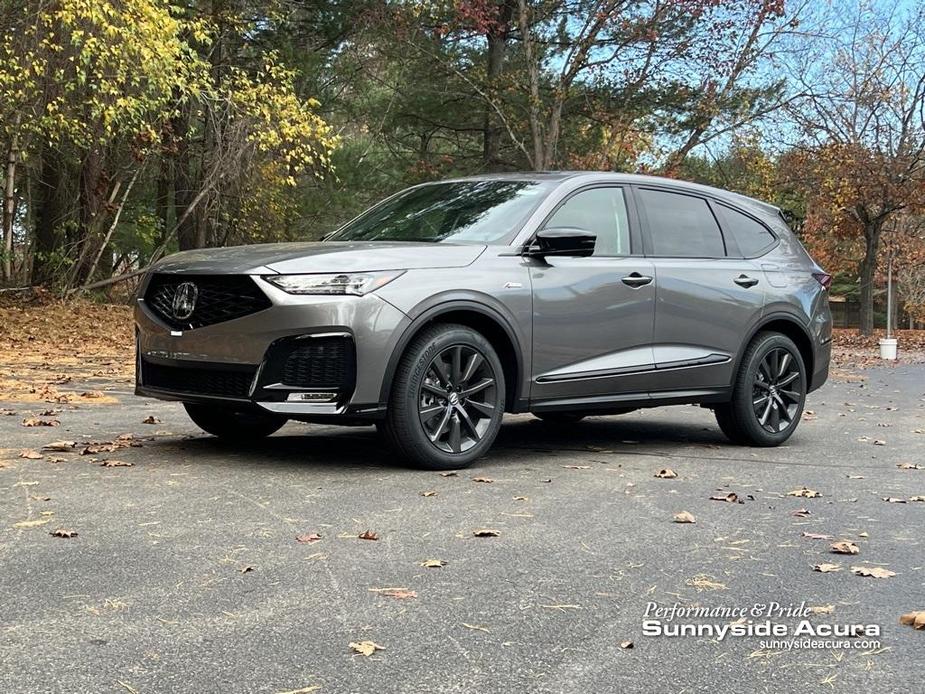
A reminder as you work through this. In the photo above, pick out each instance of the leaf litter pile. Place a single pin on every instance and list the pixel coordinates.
(47, 344)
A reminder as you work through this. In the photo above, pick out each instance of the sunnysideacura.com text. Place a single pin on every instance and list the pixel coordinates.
(778, 627)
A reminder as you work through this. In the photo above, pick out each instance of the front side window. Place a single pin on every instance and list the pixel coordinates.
(601, 211)
(455, 212)
(751, 236)
(681, 226)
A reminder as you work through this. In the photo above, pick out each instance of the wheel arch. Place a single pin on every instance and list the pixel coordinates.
(496, 328)
(785, 324)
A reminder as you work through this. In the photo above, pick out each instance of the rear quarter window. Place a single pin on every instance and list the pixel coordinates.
(751, 236)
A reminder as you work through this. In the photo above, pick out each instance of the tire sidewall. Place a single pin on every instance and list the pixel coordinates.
(406, 393)
(744, 390)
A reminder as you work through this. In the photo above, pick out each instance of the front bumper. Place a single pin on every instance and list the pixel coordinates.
(238, 361)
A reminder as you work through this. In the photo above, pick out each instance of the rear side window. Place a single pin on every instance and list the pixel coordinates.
(751, 236)
(681, 226)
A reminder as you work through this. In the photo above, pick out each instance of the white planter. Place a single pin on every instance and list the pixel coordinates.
(888, 348)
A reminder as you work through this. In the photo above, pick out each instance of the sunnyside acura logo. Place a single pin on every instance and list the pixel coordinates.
(184, 300)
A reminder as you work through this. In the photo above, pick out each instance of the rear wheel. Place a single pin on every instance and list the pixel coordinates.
(447, 398)
(233, 425)
(768, 395)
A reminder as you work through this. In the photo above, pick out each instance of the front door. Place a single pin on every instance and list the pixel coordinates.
(593, 316)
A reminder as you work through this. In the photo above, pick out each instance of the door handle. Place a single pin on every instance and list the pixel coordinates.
(635, 280)
(745, 281)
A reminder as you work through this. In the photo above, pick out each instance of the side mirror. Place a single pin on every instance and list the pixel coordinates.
(565, 241)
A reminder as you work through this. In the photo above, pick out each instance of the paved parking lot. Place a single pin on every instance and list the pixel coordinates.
(186, 574)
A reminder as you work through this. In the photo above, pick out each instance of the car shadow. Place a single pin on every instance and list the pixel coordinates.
(362, 447)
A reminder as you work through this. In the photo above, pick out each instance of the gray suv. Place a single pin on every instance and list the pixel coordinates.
(448, 304)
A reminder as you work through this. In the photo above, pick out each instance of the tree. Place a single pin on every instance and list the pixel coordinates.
(862, 159)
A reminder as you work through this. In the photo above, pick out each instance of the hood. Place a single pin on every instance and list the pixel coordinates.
(341, 256)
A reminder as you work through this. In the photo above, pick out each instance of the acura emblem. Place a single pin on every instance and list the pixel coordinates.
(184, 300)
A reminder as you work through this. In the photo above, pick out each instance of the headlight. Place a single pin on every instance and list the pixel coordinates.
(357, 283)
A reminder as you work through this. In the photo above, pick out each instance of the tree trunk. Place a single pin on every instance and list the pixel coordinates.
(9, 208)
(185, 184)
(50, 215)
(868, 269)
(92, 199)
(533, 73)
(497, 38)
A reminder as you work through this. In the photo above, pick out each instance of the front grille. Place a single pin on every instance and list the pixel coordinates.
(219, 298)
(324, 362)
(206, 379)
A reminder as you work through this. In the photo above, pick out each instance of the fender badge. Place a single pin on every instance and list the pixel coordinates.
(512, 285)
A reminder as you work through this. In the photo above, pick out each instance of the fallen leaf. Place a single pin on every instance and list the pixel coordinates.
(366, 648)
(855, 477)
(449, 474)
(116, 463)
(917, 498)
(909, 466)
(684, 517)
(874, 571)
(485, 532)
(486, 480)
(809, 415)
(802, 513)
(816, 536)
(308, 538)
(62, 532)
(150, 419)
(59, 446)
(31, 523)
(666, 473)
(433, 563)
(894, 500)
(822, 609)
(397, 593)
(368, 535)
(914, 619)
(625, 645)
(827, 568)
(430, 493)
(805, 492)
(96, 448)
(577, 467)
(520, 498)
(731, 497)
(476, 627)
(36, 422)
(93, 394)
(879, 442)
(30, 454)
(246, 569)
(845, 547)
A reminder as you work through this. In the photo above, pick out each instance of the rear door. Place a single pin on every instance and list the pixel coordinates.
(593, 316)
(708, 295)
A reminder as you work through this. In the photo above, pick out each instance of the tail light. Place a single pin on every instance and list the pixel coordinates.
(824, 279)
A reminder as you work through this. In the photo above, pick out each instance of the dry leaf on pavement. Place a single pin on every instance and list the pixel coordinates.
(366, 648)
(816, 536)
(429, 493)
(731, 497)
(805, 492)
(433, 563)
(397, 593)
(63, 532)
(666, 473)
(308, 538)
(486, 532)
(845, 547)
(684, 517)
(826, 568)
(486, 480)
(150, 419)
(30, 454)
(368, 535)
(626, 645)
(116, 463)
(59, 446)
(914, 619)
(874, 571)
(909, 466)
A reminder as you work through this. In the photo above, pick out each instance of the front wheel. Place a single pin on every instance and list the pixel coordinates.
(447, 398)
(768, 394)
(233, 425)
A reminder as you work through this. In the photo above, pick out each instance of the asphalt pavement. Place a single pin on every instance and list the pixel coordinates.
(186, 574)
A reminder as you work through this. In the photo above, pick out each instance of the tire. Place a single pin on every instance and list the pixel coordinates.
(436, 428)
(765, 408)
(559, 418)
(229, 424)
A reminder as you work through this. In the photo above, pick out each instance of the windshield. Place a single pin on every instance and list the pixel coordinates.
(458, 212)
